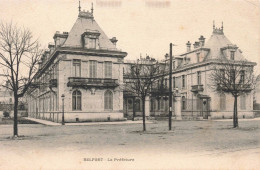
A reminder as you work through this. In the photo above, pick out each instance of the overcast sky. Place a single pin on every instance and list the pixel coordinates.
(145, 26)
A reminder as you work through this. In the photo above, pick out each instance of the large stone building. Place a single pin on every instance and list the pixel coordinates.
(257, 95)
(193, 96)
(85, 69)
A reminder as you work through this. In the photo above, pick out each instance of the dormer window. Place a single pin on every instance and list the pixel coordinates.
(198, 57)
(92, 43)
(90, 39)
(232, 55)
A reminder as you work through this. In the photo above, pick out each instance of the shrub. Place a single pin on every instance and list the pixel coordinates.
(6, 114)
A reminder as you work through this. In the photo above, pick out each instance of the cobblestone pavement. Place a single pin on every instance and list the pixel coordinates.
(191, 144)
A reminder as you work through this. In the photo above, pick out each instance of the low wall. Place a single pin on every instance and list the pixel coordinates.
(80, 117)
(229, 115)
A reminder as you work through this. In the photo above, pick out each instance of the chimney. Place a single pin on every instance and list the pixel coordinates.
(202, 41)
(188, 44)
(60, 38)
(51, 47)
(114, 40)
(196, 44)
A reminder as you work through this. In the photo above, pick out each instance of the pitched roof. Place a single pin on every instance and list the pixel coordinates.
(217, 41)
(86, 22)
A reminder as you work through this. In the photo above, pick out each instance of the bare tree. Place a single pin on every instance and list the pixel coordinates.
(19, 55)
(235, 77)
(140, 79)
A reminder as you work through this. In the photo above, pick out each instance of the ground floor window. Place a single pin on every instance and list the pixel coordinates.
(137, 105)
(183, 103)
(76, 100)
(108, 100)
(222, 101)
(243, 102)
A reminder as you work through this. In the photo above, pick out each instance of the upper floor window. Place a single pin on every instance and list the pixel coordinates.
(173, 82)
(222, 73)
(232, 55)
(93, 69)
(232, 76)
(92, 43)
(242, 76)
(108, 100)
(183, 81)
(198, 57)
(76, 68)
(166, 82)
(76, 100)
(108, 69)
(199, 77)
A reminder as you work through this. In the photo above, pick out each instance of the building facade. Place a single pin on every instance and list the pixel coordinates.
(193, 96)
(81, 73)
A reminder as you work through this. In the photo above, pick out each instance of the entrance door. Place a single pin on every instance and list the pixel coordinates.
(205, 107)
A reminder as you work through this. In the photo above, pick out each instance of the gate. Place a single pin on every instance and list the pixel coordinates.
(195, 108)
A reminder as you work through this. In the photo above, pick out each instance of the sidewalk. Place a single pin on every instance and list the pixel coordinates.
(49, 123)
(44, 122)
(230, 120)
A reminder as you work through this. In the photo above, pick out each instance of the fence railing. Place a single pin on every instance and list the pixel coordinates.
(81, 81)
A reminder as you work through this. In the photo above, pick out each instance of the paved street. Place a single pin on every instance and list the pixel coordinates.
(191, 144)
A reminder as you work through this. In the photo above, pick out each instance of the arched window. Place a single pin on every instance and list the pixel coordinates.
(76, 100)
(108, 100)
(183, 103)
(222, 101)
(243, 102)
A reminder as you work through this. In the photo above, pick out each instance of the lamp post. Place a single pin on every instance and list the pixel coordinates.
(62, 97)
(170, 89)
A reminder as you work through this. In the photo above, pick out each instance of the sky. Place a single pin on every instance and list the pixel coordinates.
(145, 26)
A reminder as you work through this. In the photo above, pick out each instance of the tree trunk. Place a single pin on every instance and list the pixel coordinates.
(15, 115)
(133, 109)
(235, 119)
(144, 128)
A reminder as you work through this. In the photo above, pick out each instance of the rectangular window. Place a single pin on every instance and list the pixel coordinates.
(232, 76)
(162, 105)
(92, 43)
(222, 74)
(183, 81)
(108, 69)
(76, 68)
(243, 102)
(166, 82)
(198, 57)
(199, 77)
(173, 82)
(232, 55)
(242, 76)
(93, 69)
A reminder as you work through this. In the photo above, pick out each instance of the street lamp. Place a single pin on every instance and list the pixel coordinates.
(62, 97)
(170, 89)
